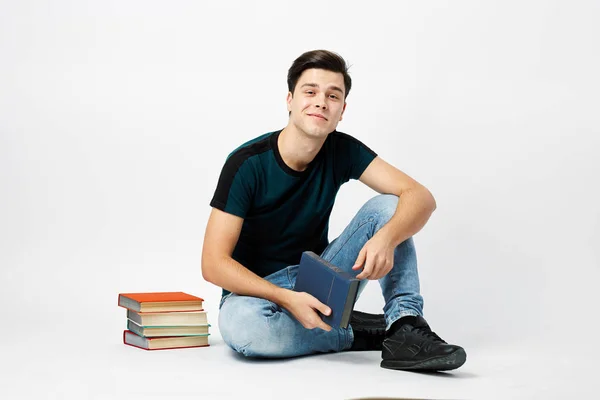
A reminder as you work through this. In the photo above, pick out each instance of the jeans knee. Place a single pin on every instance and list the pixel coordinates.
(262, 347)
(258, 342)
(246, 330)
(382, 206)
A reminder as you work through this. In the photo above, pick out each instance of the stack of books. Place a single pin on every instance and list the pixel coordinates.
(164, 320)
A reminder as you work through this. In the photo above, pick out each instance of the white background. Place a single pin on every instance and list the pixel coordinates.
(116, 118)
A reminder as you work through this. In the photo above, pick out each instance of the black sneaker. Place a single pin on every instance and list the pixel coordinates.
(369, 331)
(410, 344)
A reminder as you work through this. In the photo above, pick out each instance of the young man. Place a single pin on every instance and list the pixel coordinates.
(273, 201)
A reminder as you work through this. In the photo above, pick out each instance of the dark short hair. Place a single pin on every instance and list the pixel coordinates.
(320, 59)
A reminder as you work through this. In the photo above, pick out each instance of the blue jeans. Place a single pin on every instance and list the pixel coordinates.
(257, 327)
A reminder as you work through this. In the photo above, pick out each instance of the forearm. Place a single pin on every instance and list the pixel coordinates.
(414, 208)
(233, 276)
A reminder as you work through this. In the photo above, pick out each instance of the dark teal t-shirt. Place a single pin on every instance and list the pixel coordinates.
(285, 211)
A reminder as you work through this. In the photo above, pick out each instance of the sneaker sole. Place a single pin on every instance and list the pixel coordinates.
(441, 363)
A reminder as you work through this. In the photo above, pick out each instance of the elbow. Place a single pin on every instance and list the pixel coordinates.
(422, 196)
(206, 269)
(428, 199)
(205, 274)
(432, 202)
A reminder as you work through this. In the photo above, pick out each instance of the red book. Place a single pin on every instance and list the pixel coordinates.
(162, 343)
(160, 302)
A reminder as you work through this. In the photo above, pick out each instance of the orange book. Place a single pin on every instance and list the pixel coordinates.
(160, 302)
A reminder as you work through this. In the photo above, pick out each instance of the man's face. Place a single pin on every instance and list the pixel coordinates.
(318, 102)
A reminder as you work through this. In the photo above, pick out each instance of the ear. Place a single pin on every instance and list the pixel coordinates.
(343, 109)
(289, 101)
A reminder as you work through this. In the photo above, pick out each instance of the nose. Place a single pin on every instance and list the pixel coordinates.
(320, 103)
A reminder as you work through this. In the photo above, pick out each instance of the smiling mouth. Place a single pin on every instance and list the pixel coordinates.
(319, 117)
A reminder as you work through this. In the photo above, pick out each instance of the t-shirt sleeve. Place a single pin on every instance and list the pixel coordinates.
(235, 188)
(356, 157)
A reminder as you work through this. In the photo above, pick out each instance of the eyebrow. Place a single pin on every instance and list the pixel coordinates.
(316, 86)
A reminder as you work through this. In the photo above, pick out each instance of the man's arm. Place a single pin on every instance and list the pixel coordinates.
(415, 205)
(218, 267)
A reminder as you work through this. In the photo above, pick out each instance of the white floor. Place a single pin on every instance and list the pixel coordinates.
(116, 118)
(86, 364)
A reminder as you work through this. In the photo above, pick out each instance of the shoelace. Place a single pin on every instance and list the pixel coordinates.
(428, 333)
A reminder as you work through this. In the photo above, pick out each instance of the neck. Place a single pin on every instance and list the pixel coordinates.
(296, 148)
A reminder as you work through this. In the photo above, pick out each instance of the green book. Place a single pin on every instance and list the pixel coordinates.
(157, 331)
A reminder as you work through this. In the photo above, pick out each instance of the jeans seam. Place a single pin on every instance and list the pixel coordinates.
(349, 338)
(289, 277)
(370, 220)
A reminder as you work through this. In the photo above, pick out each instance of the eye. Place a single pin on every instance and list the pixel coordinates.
(333, 96)
(309, 92)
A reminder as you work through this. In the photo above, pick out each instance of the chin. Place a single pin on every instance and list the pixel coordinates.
(318, 131)
(315, 131)
(318, 134)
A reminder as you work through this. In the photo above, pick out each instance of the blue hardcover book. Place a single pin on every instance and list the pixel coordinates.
(330, 285)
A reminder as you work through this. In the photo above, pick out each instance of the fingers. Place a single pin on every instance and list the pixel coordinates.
(315, 321)
(375, 268)
(378, 271)
(324, 326)
(325, 310)
(360, 260)
(368, 269)
(321, 307)
(386, 267)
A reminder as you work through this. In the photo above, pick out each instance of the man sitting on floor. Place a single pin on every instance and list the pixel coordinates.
(273, 201)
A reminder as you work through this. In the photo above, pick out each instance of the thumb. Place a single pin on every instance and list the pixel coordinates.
(360, 260)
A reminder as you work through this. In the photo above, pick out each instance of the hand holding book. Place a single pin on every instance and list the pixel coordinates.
(330, 286)
(304, 307)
